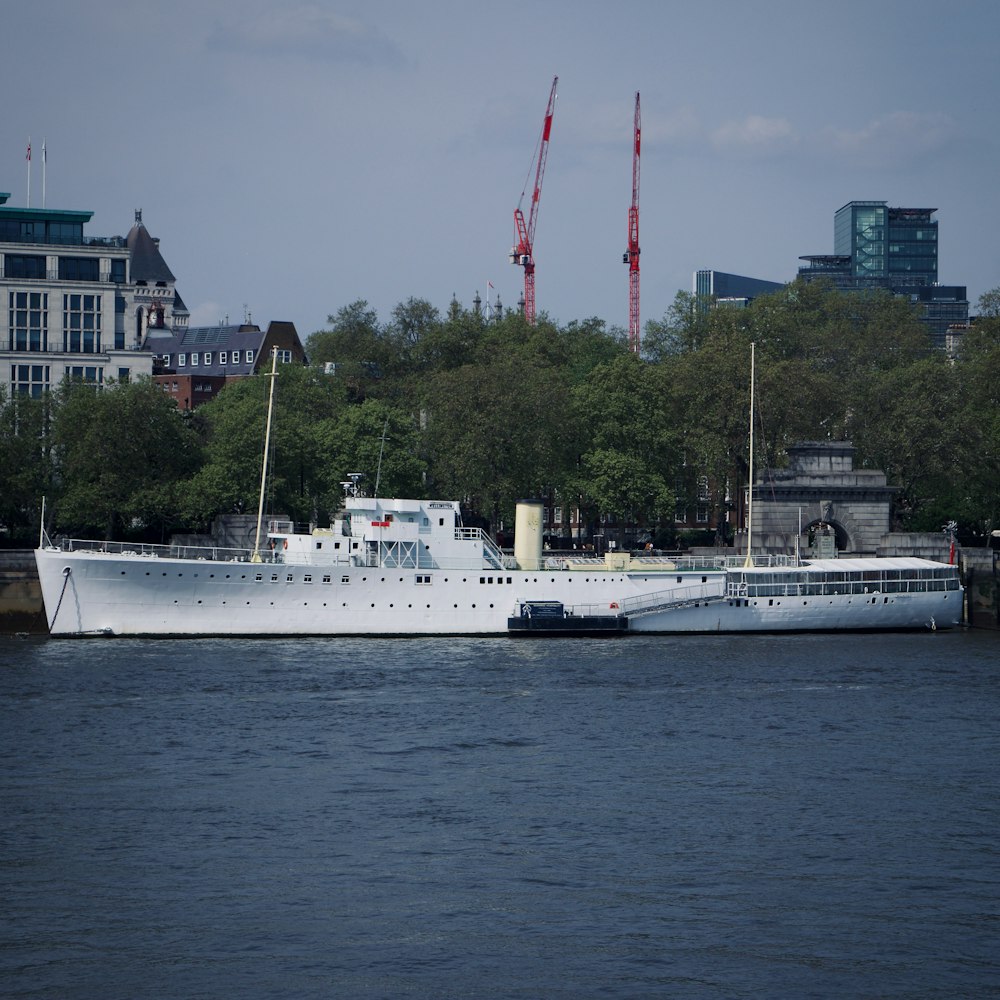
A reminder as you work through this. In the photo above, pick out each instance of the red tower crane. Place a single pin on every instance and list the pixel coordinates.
(631, 255)
(522, 252)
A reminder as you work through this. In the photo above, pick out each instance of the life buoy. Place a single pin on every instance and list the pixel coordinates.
(613, 605)
(270, 544)
(286, 543)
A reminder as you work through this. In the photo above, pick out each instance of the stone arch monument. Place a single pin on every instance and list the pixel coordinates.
(823, 501)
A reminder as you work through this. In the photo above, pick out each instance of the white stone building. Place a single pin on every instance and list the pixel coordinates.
(78, 306)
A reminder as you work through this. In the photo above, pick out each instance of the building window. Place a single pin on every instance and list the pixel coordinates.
(557, 515)
(29, 380)
(223, 358)
(208, 357)
(31, 266)
(181, 360)
(118, 272)
(701, 510)
(285, 357)
(123, 374)
(194, 358)
(249, 357)
(82, 324)
(79, 269)
(166, 360)
(86, 373)
(28, 320)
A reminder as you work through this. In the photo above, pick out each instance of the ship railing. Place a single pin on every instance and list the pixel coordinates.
(676, 597)
(611, 609)
(146, 550)
(492, 555)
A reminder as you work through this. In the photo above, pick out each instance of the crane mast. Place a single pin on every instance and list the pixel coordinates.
(522, 253)
(631, 255)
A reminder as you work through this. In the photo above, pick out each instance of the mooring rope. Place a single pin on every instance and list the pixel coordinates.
(66, 574)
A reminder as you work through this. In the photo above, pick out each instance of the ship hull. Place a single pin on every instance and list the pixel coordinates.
(92, 593)
(839, 613)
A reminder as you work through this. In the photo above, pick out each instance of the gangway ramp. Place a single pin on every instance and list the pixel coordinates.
(675, 598)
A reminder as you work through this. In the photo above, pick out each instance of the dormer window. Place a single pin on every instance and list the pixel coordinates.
(181, 360)
(194, 358)
(223, 357)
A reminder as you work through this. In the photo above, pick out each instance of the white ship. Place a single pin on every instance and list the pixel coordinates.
(409, 567)
(383, 567)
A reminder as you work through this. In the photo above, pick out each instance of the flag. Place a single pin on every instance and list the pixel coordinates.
(489, 284)
(28, 155)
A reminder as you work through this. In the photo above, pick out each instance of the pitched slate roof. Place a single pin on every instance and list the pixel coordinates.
(147, 263)
(211, 342)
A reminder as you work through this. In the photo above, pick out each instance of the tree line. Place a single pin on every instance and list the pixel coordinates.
(489, 411)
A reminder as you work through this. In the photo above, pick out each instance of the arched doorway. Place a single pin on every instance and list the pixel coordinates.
(826, 538)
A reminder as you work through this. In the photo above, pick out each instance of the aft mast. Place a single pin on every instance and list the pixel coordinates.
(749, 558)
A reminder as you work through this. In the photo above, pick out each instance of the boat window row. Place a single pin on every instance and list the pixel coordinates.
(833, 583)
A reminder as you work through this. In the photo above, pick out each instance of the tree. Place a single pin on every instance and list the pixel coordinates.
(379, 441)
(300, 482)
(908, 423)
(26, 473)
(629, 449)
(121, 452)
(355, 344)
(683, 328)
(497, 433)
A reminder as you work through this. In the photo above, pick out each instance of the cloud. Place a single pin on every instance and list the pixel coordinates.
(308, 30)
(206, 314)
(893, 139)
(755, 135)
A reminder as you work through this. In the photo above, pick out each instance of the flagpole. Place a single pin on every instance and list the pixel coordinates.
(44, 161)
(28, 158)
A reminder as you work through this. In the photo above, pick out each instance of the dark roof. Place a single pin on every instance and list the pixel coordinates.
(147, 263)
(214, 340)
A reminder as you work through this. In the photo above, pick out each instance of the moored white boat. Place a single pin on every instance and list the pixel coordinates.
(384, 567)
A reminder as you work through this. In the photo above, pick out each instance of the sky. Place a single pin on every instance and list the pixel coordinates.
(296, 157)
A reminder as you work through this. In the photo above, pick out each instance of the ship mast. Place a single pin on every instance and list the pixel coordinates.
(749, 559)
(263, 466)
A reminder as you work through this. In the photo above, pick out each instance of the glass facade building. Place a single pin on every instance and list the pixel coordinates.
(877, 246)
(887, 247)
(733, 288)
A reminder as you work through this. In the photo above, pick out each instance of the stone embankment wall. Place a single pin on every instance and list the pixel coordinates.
(981, 574)
(20, 594)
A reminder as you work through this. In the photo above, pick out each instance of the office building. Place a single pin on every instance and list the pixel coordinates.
(876, 246)
(75, 305)
(734, 289)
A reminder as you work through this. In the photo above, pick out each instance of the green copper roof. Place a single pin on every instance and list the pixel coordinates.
(43, 214)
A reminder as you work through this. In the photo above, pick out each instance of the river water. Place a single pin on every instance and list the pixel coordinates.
(797, 816)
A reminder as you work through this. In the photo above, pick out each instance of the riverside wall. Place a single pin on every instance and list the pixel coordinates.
(20, 594)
